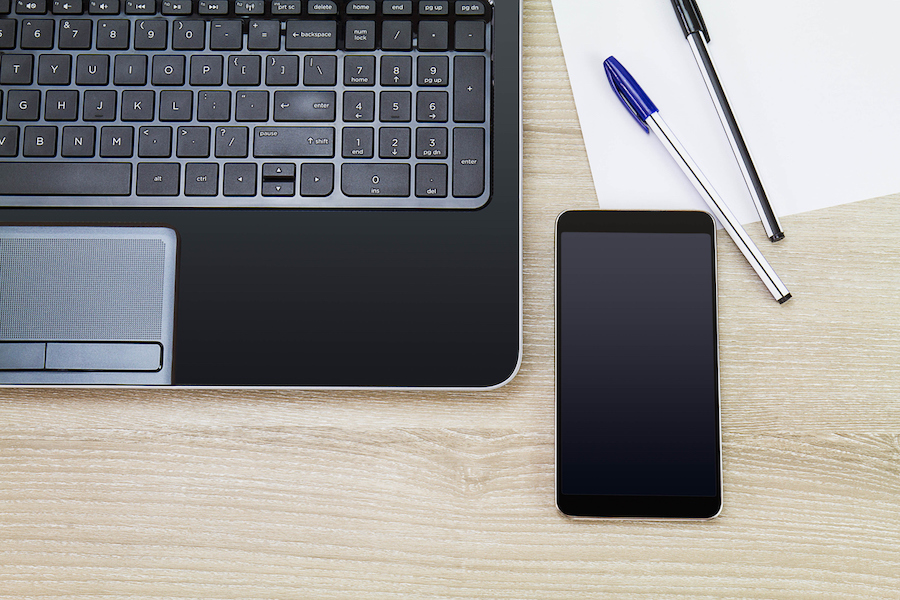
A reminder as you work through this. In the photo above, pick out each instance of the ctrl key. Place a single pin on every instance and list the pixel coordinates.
(158, 179)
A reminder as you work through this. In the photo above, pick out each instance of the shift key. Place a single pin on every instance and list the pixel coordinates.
(293, 142)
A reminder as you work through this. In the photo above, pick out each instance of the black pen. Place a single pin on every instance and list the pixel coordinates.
(695, 30)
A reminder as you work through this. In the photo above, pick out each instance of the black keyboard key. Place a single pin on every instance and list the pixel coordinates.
(358, 142)
(7, 34)
(140, 7)
(201, 179)
(225, 35)
(23, 105)
(429, 8)
(433, 71)
(65, 178)
(468, 89)
(468, 162)
(138, 105)
(359, 70)
(31, 7)
(231, 142)
(277, 188)
(116, 141)
(61, 105)
(167, 69)
(155, 142)
(293, 142)
(396, 107)
(264, 35)
(249, 7)
(431, 142)
(396, 35)
(360, 35)
(67, 7)
(431, 180)
(397, 7)
(316, 179)
(176, 7)
(78, 141)
(239, 179)
(396, 70)
(16, 69)
(310, 35)
(130, 69)
(470, 35)
(320, 70)
(103, 7)
(75, 34)
(206, 69)
(432, 107)
(176, 105)
(37, 34)
(112, 34)
(361, 7)
(433, 35)
(321, 7)
(304, 106)
(286, 7)
(466, 8)
(39, 140)
(279, 171)
(9, 140)
(244, 70)
(150, 34)
(375, 179)
(359, 107)
(251, 106)
(189, 35)
(54, 69)
(192, 142)
(213, 106)
(92, 69)
(283, 70)
(213, 7)
(99, 105)
(158, 179)
(394, 142)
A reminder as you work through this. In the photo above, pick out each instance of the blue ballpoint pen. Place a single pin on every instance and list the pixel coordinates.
(647, 115)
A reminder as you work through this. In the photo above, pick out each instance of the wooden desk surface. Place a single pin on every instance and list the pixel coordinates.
(209, 494)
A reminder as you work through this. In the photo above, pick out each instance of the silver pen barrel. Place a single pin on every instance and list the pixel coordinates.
(719, 209)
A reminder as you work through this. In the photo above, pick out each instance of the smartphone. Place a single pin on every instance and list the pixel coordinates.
(637, 365)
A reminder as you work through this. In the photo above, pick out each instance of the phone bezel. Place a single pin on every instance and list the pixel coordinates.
(627, 506)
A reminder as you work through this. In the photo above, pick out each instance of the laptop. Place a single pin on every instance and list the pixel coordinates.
(260, 193)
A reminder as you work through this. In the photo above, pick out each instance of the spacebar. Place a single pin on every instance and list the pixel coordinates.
(65, 178)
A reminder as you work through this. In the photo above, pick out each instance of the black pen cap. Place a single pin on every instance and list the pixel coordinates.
(690, 18)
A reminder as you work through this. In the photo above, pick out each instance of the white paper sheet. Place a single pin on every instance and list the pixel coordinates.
(815, 85)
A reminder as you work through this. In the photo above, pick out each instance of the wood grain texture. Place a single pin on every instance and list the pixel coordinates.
(231, 494)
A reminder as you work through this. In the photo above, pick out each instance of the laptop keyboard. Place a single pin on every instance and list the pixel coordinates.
(245, 103)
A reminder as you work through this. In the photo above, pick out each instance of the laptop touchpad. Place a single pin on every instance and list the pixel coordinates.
(86, 305)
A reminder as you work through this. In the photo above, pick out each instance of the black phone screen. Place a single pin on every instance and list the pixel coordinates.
(637, 365)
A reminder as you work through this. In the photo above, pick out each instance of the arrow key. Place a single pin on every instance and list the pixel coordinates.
(279, 171)
(240, 179)
(316, 179)
(278, 188)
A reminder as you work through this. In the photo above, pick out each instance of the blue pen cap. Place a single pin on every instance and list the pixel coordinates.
(629, 92)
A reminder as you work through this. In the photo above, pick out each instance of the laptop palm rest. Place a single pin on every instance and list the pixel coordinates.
(83, 305)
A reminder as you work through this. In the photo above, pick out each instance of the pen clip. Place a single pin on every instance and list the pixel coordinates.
(690, 18)
(630, 94)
